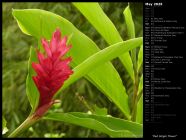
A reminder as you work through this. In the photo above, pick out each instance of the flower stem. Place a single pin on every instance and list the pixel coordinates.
(82, 99)
(26, 124)
(135, 99)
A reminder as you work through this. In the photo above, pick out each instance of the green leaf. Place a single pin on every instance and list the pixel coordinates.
(140, 87)
(99, 111)
(139, 115)
(40, 23)
(102, 57)
(31, 89)
(129, 22)
(130, 31)
(96, 16)
(140, 57)
(5, 129)
(114, 127)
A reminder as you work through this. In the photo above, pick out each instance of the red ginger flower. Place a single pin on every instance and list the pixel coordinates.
(52, 70)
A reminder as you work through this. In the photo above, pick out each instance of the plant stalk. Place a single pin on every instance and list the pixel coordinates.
(25, 125)
(135, 99)
(81, 98)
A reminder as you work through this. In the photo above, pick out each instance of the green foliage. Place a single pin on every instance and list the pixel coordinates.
(102, 57)
(130, 32)
(129, 22)
(31, 89)
(114, 127)
(106, 28)
(104, 77)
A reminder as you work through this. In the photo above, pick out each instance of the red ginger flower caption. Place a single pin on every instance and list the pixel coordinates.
(52, 70)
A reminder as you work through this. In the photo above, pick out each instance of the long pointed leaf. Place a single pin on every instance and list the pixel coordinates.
(129, 22)
(102, 57)
(96, 16)
(112, 126)
(131, 31)
(31, 89)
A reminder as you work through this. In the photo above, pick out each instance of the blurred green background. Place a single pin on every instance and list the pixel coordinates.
(16, 47)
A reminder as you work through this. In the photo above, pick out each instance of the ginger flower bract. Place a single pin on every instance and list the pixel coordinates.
(52, 70)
